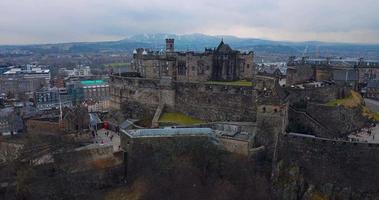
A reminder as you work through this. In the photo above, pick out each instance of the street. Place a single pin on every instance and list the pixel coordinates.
(372, 104)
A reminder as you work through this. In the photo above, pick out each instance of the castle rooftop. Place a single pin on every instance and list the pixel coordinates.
(169, 132)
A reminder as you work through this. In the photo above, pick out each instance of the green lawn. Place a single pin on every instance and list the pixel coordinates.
(234, 83)
(117, 64)
(179, 118)
(337, 102)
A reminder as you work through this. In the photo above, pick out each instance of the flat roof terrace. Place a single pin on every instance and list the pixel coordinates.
(168, 132)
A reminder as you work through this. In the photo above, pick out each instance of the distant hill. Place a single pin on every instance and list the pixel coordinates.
(264, 49)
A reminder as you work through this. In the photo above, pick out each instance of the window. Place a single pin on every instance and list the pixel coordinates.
(182, 68)
(247, 66)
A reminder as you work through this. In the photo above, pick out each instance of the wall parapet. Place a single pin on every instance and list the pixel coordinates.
(341, 163)
(315, 139)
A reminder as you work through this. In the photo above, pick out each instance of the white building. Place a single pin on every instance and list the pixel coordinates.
(80, 71)
(22, 80)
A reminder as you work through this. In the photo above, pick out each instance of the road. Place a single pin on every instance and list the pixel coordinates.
(372, 105)
(365, 136)
(370, 135)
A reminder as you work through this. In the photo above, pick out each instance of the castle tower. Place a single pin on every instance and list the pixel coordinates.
(170, 45)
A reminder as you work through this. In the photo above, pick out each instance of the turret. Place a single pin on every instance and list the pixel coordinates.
(170, 45)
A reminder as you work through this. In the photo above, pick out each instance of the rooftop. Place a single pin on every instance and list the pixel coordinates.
(346, 62)
(92, 82)
(168, 132)
(33, 70)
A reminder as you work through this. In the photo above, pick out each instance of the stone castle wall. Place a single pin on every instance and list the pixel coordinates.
(44, 127)
(299, 74)
(209, 102)
(317, 94)
(271, 121)
(326, 121)
(135, 93)
(212, 102)
(345, 120)
(301, 122)
(240, 147)
(247, 66)
(339, 163)
(197, 67)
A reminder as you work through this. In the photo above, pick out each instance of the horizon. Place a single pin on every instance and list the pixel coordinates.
(65, 21)
(195, 33)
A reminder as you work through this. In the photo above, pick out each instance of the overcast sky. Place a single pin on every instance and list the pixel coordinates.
(53, 21)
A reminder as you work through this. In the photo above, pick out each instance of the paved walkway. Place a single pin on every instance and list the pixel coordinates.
(369, 135)
(372, 105)
(105, 137)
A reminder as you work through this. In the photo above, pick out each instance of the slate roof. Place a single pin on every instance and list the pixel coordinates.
(345, 75)
(94, 119)
(127, 124)
(224, 48)
(373, 84)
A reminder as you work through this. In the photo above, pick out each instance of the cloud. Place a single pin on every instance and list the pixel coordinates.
(46, 21)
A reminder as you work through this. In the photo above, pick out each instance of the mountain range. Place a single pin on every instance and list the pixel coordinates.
(197, 42)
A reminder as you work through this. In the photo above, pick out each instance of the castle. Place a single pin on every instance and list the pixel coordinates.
(293, 127)
(190, 83)
(218, 64)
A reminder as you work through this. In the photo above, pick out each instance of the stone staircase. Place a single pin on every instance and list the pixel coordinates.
(310, 118)
(157, 115)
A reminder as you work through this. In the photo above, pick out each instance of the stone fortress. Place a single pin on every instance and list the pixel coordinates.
(221, 63)
(305, 139)
(188, 83)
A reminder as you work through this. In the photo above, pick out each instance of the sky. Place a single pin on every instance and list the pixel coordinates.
(55, 21)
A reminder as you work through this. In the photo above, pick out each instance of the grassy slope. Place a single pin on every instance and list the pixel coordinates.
(353, 101)
(117, 64)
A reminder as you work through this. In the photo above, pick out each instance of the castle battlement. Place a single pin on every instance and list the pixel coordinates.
(218, 64)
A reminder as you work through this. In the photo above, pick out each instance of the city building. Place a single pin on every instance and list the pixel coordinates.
(10, 122)
(20, 80)
(372, 90)
(349, 72)
(58, 82)
(52, 98)
(88, 90)
(29, 72)
(79, 71)
(97, 106)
